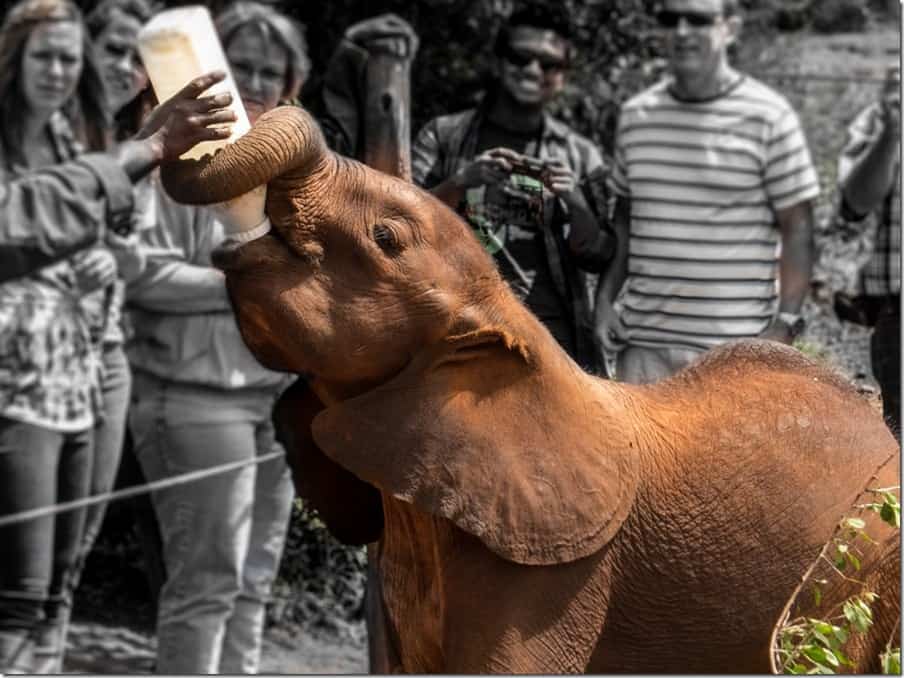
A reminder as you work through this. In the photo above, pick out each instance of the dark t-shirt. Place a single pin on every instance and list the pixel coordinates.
(508, 218)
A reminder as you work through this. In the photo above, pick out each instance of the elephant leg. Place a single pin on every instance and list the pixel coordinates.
(381, 650)
(350, 508)
(883, 577)
(501, 617)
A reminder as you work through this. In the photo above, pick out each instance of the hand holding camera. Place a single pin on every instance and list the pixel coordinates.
(489, 168)
(497, 164)
(528, 166)
(555, 174)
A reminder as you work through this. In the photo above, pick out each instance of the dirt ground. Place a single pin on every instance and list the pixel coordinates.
(121, 641)
(116, 649)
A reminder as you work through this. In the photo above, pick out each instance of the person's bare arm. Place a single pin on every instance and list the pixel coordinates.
(177, 125)
(586, 240)
(870, 179)
(612, 279)
(795, 265)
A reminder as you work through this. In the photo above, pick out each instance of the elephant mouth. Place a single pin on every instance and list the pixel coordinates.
(236, 258)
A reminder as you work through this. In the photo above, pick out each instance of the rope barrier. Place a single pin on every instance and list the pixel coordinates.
(127, 492)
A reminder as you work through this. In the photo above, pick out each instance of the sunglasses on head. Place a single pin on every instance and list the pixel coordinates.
(520, 59)
(669, 19)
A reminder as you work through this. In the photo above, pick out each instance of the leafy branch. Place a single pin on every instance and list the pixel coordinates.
(816, 646)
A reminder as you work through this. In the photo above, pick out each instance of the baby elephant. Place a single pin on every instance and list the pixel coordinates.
(530, 517)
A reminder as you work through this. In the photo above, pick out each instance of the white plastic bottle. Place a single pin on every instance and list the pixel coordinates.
(180, 44)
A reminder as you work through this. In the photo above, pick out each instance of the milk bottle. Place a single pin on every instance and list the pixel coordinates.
(180, 44)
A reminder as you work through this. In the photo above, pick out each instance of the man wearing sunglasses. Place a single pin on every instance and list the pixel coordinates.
(713, 215)
(532, 188)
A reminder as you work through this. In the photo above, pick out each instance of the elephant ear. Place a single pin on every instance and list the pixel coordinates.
(350, 508)
(511, 453)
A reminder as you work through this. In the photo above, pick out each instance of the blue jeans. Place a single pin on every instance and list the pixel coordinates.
(222, 536)
(38, 467)
(109, 433)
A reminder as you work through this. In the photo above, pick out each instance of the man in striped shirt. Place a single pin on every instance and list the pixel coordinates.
(869, 175)
(713, 219)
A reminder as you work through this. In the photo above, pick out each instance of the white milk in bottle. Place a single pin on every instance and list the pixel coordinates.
(180, 44)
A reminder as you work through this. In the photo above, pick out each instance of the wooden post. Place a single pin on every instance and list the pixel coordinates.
(387, 147)
(387, 110)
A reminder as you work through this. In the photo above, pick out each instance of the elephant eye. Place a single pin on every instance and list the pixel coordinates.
(385, 238)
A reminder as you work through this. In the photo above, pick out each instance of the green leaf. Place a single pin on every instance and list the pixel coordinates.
(817, 595)
(853, 560)
(855, 523)
(798, 670)
(822, 638)
(859, 614)
(821, 626)
(842, 657)
(891, 515)
(829, 635)
(820, 655)
(821, 670)
(891, 509)
(891, 662)
(831, 658)
(840, 634)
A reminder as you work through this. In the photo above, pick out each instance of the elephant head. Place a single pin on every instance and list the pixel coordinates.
(424, 361)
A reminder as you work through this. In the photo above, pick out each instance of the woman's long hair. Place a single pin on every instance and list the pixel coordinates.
(287, 32)
(85, 111)
(127, 120)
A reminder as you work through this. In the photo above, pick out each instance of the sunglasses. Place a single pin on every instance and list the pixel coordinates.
(520, 60)
(669, 19)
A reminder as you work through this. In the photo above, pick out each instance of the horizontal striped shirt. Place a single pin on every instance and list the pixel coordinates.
(705, 180)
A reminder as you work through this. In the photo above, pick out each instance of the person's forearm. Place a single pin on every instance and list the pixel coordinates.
(180, 288)
(590, 245)
(871, 179)
(449, 192)
(138, 157)
(796, 265)
(614, 276)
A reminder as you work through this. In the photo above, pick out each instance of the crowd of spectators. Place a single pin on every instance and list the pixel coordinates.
(115, 326)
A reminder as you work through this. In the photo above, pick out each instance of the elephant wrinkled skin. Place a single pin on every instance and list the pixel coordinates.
(532, 517)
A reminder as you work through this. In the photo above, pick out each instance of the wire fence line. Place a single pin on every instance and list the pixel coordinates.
(135, 490)
(816, 77)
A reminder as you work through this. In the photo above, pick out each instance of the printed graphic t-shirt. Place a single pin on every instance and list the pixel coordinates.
(509, 217)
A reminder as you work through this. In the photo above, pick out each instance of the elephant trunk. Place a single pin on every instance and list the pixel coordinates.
(284, 139)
